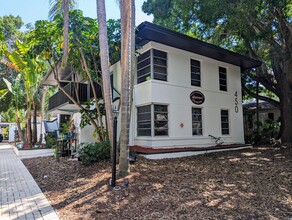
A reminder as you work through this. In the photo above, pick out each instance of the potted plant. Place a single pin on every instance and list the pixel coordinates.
(66, 129)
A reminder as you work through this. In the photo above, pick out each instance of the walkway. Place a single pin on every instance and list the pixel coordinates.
(20, 196)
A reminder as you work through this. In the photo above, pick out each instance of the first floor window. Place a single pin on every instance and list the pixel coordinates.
(224, 122)
(144, 120)
(160, 120)
(197, 121)
(156, 115)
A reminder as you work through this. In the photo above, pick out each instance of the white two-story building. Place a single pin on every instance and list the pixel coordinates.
(186, 92)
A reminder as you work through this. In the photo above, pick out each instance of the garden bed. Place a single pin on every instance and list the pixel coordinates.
(247, 184)
(26, 152)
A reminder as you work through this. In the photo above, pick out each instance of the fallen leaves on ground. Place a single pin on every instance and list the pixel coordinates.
(248, 184)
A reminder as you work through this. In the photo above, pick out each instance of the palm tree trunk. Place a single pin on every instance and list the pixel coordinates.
(43, 103)
(20, 135)
(104, 57)
(65, 33)
(28, 127)
(127, 8)
(34, 136)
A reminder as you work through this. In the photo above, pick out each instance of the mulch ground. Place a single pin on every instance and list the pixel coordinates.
(248, 184)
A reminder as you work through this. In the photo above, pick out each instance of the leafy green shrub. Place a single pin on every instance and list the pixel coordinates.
(92, 152)
(268, 132)
(51, 140)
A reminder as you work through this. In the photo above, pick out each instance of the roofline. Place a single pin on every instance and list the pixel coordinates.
(183, 42)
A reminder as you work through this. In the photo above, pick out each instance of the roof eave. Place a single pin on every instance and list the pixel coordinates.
(151, 32)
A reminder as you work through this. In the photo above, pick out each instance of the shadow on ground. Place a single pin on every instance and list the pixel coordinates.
(247, 184)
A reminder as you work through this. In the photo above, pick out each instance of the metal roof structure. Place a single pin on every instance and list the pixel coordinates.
(147, 32)
(262, 105)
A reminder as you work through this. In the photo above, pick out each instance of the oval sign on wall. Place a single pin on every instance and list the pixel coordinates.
(197, 97)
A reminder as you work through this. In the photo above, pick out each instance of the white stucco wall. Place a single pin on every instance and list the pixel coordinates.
(264, 114)
(40, 130)
(84, 135)
(12, 127)
(176, 94)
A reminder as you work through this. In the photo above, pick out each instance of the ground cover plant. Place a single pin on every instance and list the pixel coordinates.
(248, 184)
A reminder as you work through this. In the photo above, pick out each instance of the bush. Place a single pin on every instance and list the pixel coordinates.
(51, 140)
(91, 152)
(268, 132)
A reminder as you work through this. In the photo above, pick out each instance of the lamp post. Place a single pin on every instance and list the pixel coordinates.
(115, 113)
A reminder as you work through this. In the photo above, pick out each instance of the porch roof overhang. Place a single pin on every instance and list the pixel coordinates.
(147, 32)
(66, 108)
(63, 74)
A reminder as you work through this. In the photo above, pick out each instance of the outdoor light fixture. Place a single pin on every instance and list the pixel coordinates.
(114, 159)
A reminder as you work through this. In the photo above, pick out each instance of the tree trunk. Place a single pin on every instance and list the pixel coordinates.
(101, 134)
(34, 132)
(70, 97)
(20, 134)
(65, 33)
(43, 103)
(104, 58)
(28, 127)
(127, 8)
(286, 104)
(257, 114)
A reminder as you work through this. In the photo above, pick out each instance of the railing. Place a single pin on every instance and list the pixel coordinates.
(81, 89)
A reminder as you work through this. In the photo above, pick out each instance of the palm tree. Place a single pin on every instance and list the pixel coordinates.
(127, 8)
(15, 91)
(29, 70)
(58, 7)
(104, 59)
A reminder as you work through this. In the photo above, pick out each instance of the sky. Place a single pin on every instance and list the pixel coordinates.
(33, 10)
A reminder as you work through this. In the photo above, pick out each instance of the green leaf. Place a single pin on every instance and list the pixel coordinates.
(8, 84)
(3, 92)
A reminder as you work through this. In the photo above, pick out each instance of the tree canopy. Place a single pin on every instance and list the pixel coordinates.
(9, 32)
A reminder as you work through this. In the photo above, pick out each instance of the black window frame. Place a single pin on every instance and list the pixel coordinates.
(159, 61)
(152, 64)
(225, 126)
(195, 66)
(144, 66)
(197, 118)
(162, 121)
(140, 114)
(156, 115)
(223, 79)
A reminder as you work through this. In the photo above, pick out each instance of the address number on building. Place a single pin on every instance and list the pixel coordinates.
(197, 97)
(236, 102)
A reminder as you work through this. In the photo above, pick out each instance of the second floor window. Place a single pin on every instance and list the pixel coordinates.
(152, 65)
(195, 73)
(222, 79)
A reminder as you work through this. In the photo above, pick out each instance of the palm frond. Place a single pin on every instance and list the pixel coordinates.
(57, 7)
(9, 64)
(8, 84)
(16, 59)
